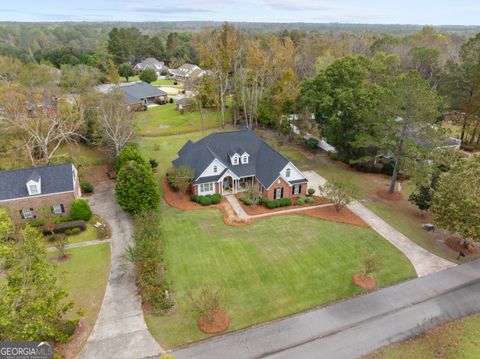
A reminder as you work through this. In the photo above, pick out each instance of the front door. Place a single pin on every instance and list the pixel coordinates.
(227, 183)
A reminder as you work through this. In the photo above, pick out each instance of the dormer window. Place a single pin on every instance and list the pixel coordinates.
(33, 189)
(287, 173)
(34, 184)
(235, 160)
(245, 158)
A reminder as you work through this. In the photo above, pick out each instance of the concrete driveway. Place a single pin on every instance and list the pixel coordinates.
(422, 260)
(120, 330)
(355, 327)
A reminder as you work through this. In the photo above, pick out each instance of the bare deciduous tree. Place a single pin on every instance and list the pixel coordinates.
(39, 119)
(116, 122)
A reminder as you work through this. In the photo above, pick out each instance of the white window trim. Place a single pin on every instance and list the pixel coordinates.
(287, 172)
(296, 189)
(215, 168)
(57, 209)
(206, 188)
(275, 193)
(27, 213)
(33, 189)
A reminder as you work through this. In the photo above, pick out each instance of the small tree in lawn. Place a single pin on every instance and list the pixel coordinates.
(136, 189)
(254, 195)
(148, 76)
(339, 192)
(6, 224)
(125, 70)
(80, 210)
(370, 264)
(206, 302)
(182, 178)
(61, 246)
(47, 215)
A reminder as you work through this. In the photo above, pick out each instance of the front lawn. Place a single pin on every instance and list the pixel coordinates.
(458, 339)
(273, 268)
(166, 120)
(84, 275)
(402, 215)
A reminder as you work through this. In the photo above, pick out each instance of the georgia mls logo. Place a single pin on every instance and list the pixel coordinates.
(26, 350)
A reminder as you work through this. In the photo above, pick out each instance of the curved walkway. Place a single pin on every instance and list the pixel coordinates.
(120, 331)
(422, 260)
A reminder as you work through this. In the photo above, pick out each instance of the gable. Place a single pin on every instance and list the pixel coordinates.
(295, 174)
(210, 170)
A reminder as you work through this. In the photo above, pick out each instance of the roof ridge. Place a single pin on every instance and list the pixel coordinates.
(34, 168)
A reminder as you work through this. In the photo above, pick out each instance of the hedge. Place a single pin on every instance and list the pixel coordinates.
(62, 227)
(246, 200)
(281, 202)
(207, 200)
(86, 187)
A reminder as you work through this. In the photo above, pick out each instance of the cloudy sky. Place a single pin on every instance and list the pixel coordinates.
(436, 12)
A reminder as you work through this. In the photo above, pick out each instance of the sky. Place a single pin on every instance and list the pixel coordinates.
(434, 12)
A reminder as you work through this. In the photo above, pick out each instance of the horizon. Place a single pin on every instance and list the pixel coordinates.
(371, 12)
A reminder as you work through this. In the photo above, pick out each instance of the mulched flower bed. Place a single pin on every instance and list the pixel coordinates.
(364, 282)
(220, 323)
(455, 243)
(260, 209)
(330, 214)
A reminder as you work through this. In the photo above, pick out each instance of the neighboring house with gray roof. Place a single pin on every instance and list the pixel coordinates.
(232, 162)
(136, 93)
(25, 191)
(187, 72)
(153, 64)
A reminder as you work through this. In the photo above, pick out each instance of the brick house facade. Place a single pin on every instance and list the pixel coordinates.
(26, 192)
(282, 189)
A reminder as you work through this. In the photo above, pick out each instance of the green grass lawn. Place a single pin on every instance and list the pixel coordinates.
(273, 268)
(166, 120)
(458, 339)
(159, 82)
(402, 215)
(84, 276)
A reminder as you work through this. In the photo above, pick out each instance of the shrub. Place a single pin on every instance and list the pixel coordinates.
(129, 153)
(311, 191)
(80, 210)
(246, 200)
(86, 187)
(311, 143)
(101, 232)
(73, 231)
(53, 238)
(309, 200)
(181, 178)
(62, 227)
(271, 204)
(136, 189)
(170, 100)
(285, 202)
(205, 200)
(36, 222)
(61, 246)
(216, 198)
(153, 163)
(301, 200)
(194, 198)
(7, 226)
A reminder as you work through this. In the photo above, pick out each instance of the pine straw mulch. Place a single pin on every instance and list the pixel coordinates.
(72, 348)
(219, 323)
(174, 199)
(364, 281)
(260, 209)
(455, 243)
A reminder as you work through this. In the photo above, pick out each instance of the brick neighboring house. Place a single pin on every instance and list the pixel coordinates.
(24, 192)
(232, 162)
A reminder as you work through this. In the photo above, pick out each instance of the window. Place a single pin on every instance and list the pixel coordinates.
(215, 169)
(296, 189)
(287, 172)
(244, 159)
(206, 187)
(58, 209)
(27, 213)
(235, 160)
(33, 189)
(278, 193)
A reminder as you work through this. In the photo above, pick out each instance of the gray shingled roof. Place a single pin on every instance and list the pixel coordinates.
(265, 162)
(140, 91)
(55, 179)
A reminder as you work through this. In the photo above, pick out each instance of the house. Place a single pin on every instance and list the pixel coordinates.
(24, 192)
(187, 72)
(232, 162)
(151, 63)
(136, 93)
(181, 104)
